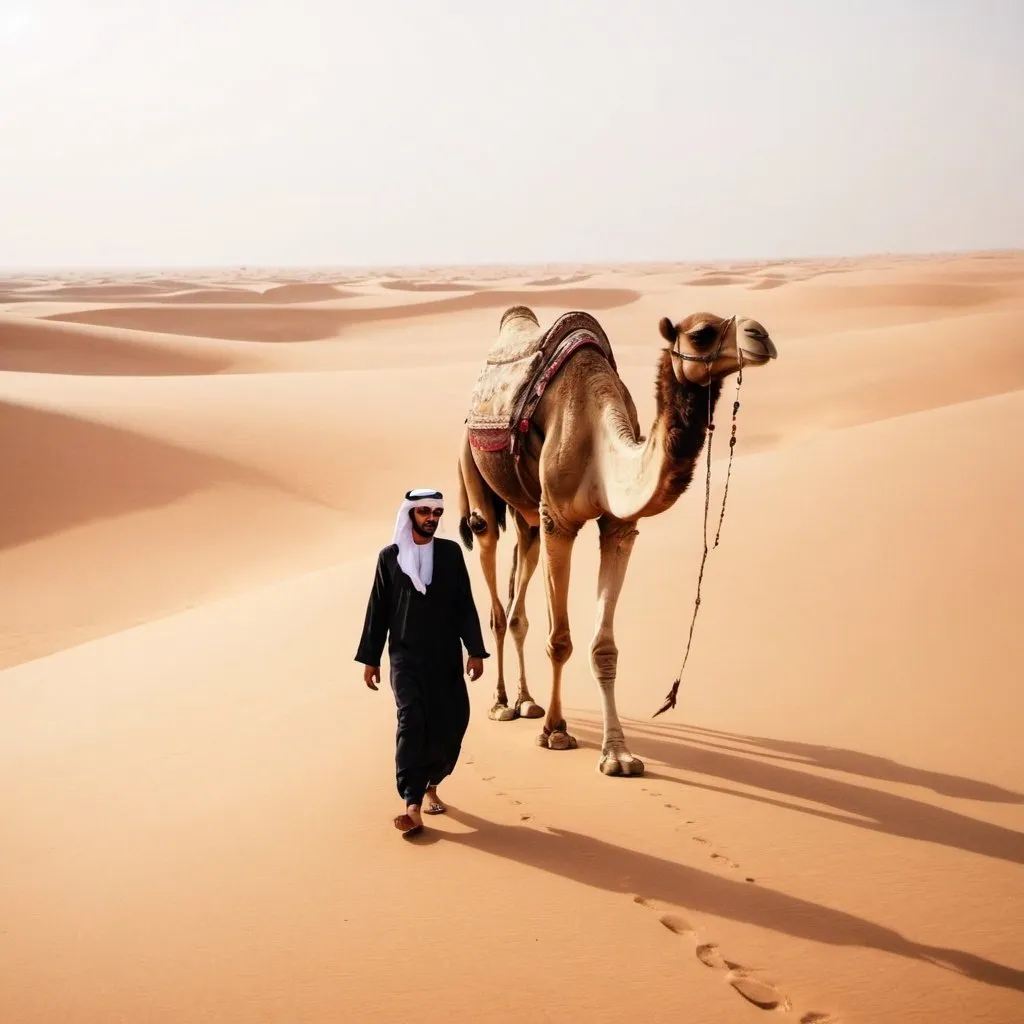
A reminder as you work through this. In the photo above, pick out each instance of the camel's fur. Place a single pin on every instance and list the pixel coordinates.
(584, 458)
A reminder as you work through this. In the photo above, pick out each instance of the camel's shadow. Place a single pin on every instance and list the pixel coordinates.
(605, 866)
(853, 762)
(707, 752)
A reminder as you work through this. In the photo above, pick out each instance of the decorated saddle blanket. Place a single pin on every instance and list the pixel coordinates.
(518, 369)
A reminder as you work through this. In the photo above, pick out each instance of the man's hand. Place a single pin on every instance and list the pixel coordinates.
(371, 676)
(475, 667)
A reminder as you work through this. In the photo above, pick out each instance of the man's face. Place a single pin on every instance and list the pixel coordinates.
(425, 520)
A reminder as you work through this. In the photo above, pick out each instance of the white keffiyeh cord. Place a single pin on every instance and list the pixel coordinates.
(416, 560)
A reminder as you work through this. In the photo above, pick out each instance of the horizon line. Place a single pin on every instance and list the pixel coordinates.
(525, 265)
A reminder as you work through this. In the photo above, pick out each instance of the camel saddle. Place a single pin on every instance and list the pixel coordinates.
(519, 367)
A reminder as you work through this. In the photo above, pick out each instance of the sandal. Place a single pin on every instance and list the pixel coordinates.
(407, 826)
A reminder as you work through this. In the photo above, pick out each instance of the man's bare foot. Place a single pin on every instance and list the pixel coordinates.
(435, 805)
(411, 822)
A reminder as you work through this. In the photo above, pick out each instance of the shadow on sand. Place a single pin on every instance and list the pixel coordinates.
(602, 865)
(853, 762)
(705, 752)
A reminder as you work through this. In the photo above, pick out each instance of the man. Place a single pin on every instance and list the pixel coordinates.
(422, 603)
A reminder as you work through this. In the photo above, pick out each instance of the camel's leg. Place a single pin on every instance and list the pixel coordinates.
(616, 546)
(556, 541)
(479, 518)
(527, 556)
(500, 711)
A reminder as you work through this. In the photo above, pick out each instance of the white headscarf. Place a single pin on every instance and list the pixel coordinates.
(416, 560)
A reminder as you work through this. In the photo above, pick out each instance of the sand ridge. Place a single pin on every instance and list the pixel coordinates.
(302, 323)
(197, 787)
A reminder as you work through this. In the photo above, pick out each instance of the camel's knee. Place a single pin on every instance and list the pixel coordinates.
(604, 658)
(518, 625)
(554, 525)
(477, 523)
(560, 647)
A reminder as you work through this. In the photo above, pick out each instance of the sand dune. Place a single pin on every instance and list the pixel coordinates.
(547, 282)
(304, 324)
(95, 541)
(923, 294)
(768, 281)
(299, 292)
(38, 346)
(117, 291)
(197, 788)
(710, 280)
(281, 294)
(431, 286)
(230, 323)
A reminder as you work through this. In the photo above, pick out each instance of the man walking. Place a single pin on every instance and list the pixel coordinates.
(422, 604)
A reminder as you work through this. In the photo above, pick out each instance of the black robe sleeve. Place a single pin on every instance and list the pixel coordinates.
(378, 614)
(466, 614)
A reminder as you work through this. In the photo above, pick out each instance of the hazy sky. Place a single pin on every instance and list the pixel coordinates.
(326, 132)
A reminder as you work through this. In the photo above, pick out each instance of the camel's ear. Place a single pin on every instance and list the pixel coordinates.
(667, 329)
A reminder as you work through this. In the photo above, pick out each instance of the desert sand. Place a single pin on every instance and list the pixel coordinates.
(197, 789)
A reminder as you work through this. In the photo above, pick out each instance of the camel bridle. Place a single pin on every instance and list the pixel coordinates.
(709, 358)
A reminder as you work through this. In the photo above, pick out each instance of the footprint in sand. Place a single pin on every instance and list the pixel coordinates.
(755, 990)
(708, 953)
(760, 993)
(700, 839)
(677, 924)
(722, 857)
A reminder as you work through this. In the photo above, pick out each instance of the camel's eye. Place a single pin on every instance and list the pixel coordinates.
(703, 336)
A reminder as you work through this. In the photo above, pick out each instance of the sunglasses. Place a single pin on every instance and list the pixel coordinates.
(424, 510)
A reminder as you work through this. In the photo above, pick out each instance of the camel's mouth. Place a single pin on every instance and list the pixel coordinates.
(756, 346)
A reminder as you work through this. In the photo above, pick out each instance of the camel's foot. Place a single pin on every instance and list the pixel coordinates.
(556, 737)
(502, 713)
(529, 708)
(618, 760)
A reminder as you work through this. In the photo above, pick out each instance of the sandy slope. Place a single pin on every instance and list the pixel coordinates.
(196, 788)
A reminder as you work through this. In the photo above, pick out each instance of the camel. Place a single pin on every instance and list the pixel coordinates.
(580, 455)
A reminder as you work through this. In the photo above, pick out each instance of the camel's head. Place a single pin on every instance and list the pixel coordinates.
(706, 347)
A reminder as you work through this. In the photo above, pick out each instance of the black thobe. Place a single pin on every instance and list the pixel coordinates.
(424, 633)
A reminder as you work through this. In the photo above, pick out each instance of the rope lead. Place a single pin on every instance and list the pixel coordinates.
(670, 699)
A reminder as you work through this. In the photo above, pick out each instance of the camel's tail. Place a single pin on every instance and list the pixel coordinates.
(476, 500)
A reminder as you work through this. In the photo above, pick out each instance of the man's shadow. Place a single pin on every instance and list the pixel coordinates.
(688, 749)
(602, 865)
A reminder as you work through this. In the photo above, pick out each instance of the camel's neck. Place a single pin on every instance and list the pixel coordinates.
(645, 478)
